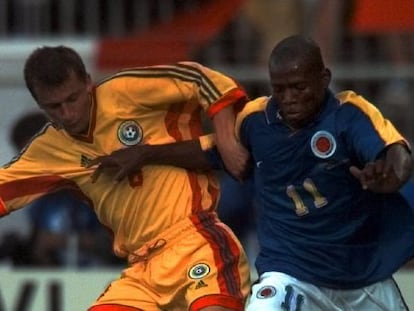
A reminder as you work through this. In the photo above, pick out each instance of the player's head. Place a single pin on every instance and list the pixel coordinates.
(299, 79)
(57, 79)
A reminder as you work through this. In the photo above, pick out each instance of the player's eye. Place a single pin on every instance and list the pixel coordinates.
(301, 86)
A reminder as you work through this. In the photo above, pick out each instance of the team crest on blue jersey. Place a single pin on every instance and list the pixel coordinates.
(199, 271)
(323, 144)
(130, 133)
(266, 292)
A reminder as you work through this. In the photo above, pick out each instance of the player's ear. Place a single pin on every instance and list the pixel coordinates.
(326, 77)
(89, 84)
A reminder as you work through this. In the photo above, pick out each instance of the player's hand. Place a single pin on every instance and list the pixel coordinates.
(119, 163)
(234, 155)
(376, 176)
(388, 173)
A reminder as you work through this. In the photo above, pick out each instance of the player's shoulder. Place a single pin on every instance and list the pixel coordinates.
(48, 132)
(349, 97)
(41, 144)
(183, 69)
(352, 104)
(257, 105)
(189, 64)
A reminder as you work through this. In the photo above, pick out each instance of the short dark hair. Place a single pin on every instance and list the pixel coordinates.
(51, 66)
(297, 47)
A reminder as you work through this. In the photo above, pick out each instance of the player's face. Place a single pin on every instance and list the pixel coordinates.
(299, 92)
(67, 105)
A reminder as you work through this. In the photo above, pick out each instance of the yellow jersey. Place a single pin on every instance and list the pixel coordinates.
(147, 105)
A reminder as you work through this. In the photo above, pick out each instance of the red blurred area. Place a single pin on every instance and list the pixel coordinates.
(168, 42)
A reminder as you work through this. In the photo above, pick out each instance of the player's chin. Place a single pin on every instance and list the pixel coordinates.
(296, 123)
(74, 129)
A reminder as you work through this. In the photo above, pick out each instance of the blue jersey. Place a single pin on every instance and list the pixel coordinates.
(316, 223)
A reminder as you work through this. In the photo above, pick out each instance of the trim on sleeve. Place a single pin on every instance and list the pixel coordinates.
(259, 104)
(235, 97)
(3, 210)
(385, 129)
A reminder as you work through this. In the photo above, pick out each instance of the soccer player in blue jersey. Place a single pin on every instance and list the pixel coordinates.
(331, 179)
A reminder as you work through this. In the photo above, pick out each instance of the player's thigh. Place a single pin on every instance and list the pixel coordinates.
(280, 292)
(384, 295)
(125, 294)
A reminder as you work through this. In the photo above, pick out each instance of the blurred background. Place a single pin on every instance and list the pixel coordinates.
(368, 44)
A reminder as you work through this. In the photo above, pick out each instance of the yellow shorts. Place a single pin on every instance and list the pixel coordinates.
(194, 264)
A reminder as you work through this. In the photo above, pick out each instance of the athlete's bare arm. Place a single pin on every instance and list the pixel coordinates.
(389, 172)
(233, 154)
(123, 162)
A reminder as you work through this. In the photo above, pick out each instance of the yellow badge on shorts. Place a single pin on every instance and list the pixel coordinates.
(129, 133)
(199, 271)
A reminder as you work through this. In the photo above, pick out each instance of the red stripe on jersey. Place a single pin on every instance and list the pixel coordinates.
(235, 95)
(195, 124)
(225, 250)
(3, 210)
(34, 185)
(214, 191)
(171, 122)
(196, 191)
(217, 300)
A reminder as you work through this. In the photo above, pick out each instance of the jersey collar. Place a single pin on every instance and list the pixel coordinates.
(88, 137)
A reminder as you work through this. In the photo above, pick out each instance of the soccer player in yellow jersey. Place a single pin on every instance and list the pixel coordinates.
(132, 146)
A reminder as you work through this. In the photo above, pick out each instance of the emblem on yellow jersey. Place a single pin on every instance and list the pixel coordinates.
(129, 133)
(199, 271)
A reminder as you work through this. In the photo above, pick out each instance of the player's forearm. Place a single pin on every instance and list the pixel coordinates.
(235, 157)
(186, 154)
(401, 159)
(223, 123)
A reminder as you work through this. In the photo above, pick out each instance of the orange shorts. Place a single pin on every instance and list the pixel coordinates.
(194, 264)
